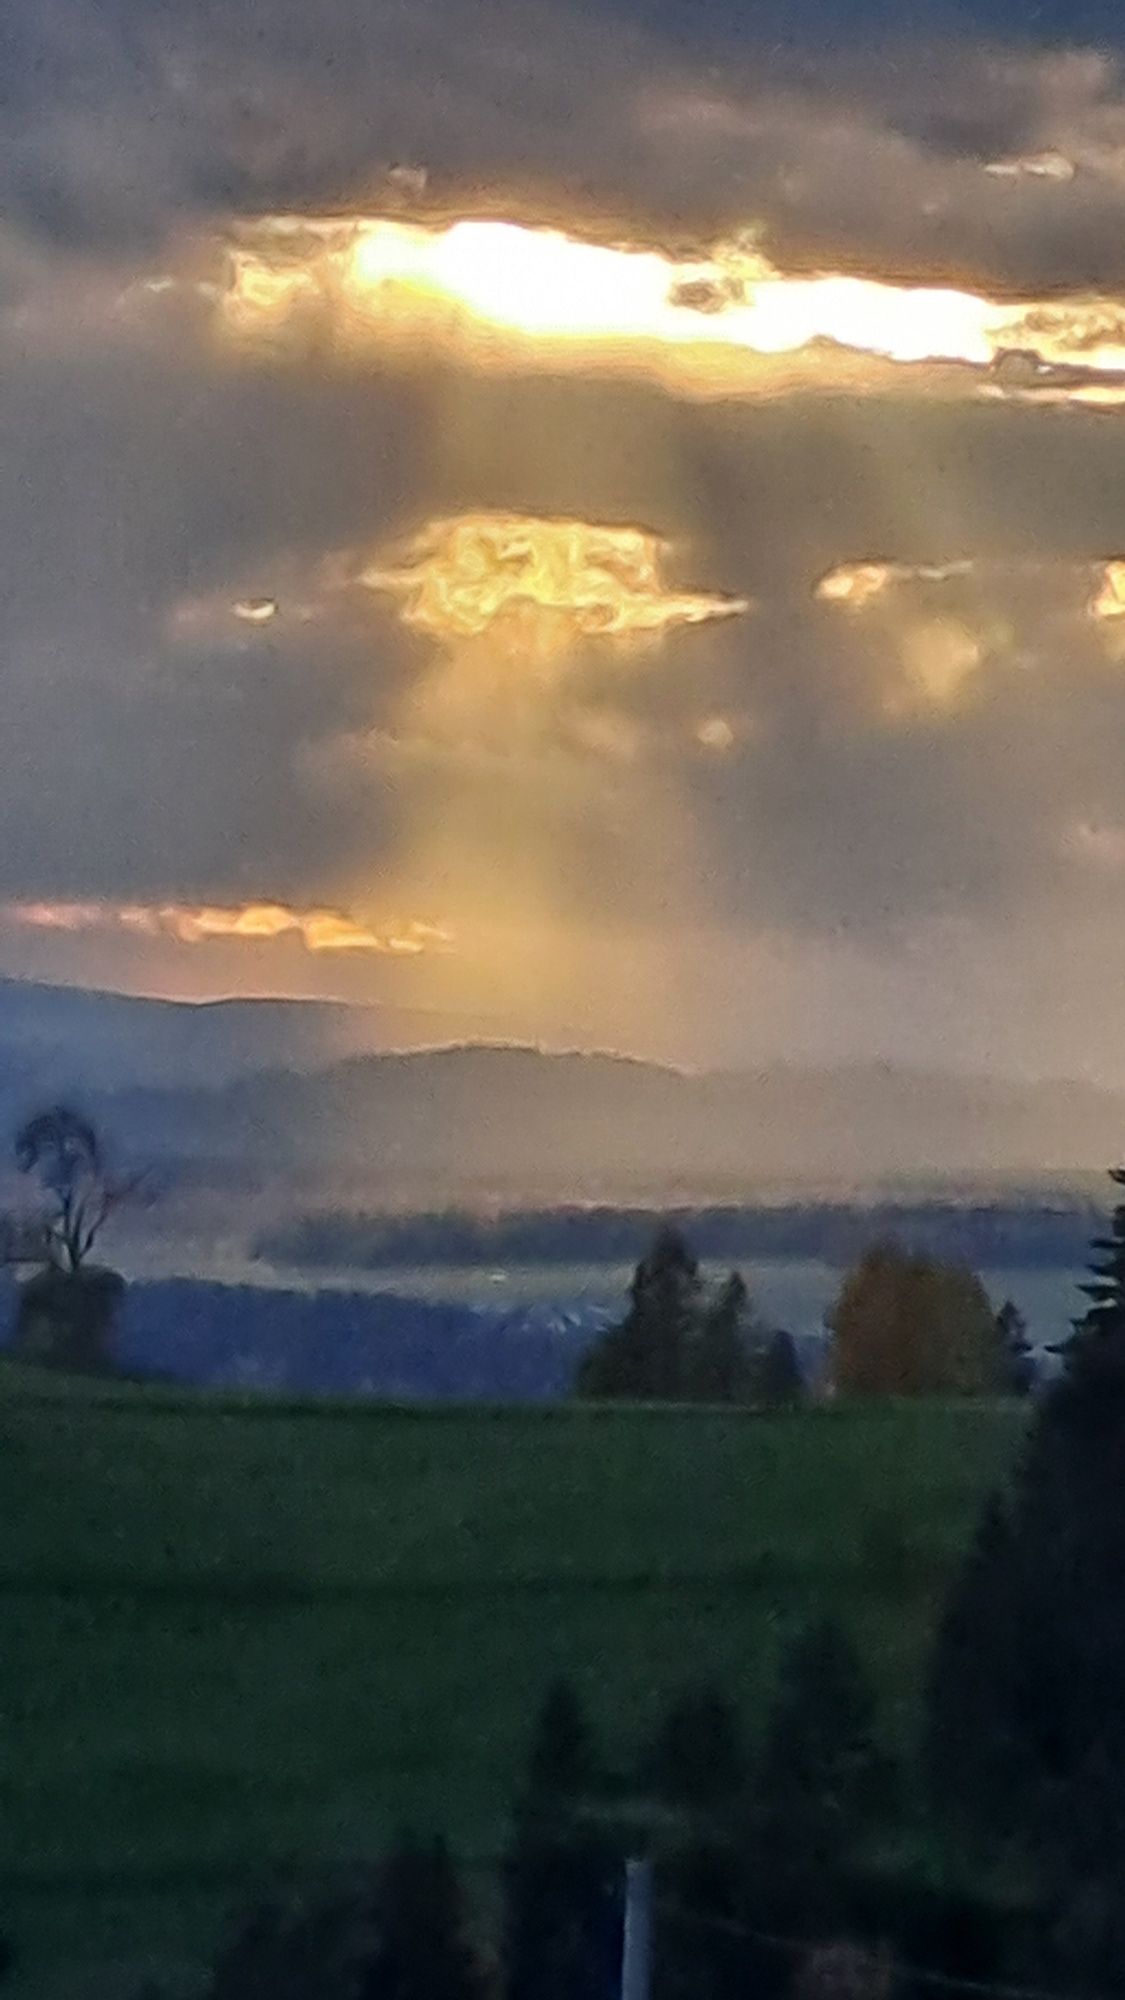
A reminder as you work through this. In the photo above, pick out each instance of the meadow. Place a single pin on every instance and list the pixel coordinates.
(238, 1629)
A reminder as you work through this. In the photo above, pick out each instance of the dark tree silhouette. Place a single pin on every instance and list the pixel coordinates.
(423, 1952)
(1017, 1356)
(66, 1310)
(719, 1362)
(562, 1911)
(562, 1871)
(969, 1745)
(562, 1761)
(1102, 1327)
(1026, 1718)
(298, 1942)
(776, 1379)
(396, 1933)
(697, 1759)
(822, 1780)
(647, 1355)
(63, 1153)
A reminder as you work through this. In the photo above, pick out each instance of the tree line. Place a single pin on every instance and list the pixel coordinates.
(743, 1832)
(678, 1342)
(903, 1324)
(1025, 1233)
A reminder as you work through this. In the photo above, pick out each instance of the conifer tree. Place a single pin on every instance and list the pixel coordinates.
(647, 1356)
(423, 1952)
(1017, 1356)
(561, 1761)
(697, 1760)
(776, 1378)
(969, 1746)
(561, 1877)
(299, 1941)
(1027, 1719)
(720, 1363)
(822, 1781)
(1101, 1331)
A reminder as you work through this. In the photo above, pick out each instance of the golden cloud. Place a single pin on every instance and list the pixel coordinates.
(318, 929)
(255, 610)
(856, 585)
(1109, 598)
(500, 292)
(1049, 165)
(542, 583)
(941, 635)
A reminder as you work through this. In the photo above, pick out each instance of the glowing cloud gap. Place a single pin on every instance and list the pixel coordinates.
(493, 289)
(1045, 166)
(255, 610)
(318, 929)
(856, 586)
(547, 286)
(1109, 599)
(551, 582)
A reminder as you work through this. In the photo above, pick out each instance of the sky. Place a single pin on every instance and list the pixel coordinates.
(606, 517)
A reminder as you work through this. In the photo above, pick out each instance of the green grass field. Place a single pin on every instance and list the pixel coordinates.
(237, 1630)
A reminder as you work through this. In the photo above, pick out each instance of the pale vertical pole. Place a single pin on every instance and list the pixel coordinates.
(636, 1944)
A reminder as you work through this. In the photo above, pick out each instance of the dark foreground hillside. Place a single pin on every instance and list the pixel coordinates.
(237, 1629)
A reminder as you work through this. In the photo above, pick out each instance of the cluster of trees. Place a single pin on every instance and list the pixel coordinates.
(678, 1342)
(907, 1325)
(400, 1931)
(903, 1324)
(1014, 1233)
(744, 1837)
(1026, 1742)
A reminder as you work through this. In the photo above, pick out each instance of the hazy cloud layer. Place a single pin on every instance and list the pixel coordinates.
(946, 748)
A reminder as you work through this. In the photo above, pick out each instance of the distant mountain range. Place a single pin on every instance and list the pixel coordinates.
(258, 1082)
(523, 1119)
(71, 1038)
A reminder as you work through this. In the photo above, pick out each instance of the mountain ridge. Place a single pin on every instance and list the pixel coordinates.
(578, 1122)
(264, 1083)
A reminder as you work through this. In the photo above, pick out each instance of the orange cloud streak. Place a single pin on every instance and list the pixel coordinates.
(318, 929)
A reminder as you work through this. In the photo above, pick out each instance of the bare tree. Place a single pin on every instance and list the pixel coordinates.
(64, 1154)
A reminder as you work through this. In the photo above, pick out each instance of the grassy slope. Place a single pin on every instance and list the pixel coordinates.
(235, 1629)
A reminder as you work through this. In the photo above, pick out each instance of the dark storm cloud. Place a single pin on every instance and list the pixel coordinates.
(140, 473)
(133, 764)
(124, 120)
(122, 117)
(143, 759)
